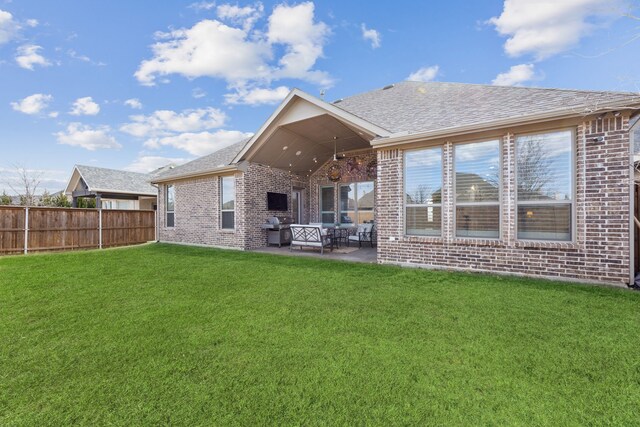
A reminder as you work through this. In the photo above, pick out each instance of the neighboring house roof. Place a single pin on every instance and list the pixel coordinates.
(210, 162)
(415, 107)
(113, 181)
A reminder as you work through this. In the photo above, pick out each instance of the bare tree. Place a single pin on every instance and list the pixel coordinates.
(27, 184)
(534, 168)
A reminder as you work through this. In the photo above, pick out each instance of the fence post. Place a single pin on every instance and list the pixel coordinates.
(26, 229)
(100, 228)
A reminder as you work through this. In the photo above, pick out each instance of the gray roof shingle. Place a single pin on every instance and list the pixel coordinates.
(103, 179)
(217, 159)
(421, 107)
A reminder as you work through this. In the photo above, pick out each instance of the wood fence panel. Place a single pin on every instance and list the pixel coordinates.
(55, 229)
(59, 229)
(11, 230)
(127, 227)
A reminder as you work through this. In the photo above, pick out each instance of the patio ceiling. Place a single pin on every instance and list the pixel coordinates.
(303, 146)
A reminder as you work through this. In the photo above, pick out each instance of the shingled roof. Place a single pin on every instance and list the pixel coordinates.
(415, 107)
(215, 160)
(116, 181)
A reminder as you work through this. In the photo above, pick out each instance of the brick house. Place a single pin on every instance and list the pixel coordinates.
(526, 181)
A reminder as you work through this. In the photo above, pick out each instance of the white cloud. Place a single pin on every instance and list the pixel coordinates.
(239, 54)
(146, 164)
(8, 27)
(424, 74)
(257, 96)
(84, 107)
(203, 5)
(32, 23)
(32, 104)
(209, 48)
(198, 93)
(88, 137)
(371, 35)
(133, 103)
(199, 144)
(294, 27)
(516, 75)
(165, 122)
(547, 27)
(244, 16)
(27, 56)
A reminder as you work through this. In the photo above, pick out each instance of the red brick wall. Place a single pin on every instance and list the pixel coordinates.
(600, 252)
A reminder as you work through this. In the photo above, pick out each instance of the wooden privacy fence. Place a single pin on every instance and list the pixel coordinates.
(37, 229)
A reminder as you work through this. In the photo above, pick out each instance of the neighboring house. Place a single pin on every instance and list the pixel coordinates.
(111, 188)
(514, 180)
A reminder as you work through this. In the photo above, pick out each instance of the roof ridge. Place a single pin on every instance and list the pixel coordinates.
(551, 89)
(110, 169)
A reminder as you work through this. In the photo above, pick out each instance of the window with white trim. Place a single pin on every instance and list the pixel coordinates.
(545, 180)
(477, 189)
(170, 197)
(423, 191)
(356, 202)
(228, 202)
(327, 204)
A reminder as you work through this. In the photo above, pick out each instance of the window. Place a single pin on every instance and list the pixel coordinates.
(228, 201)
(170, 205)
(356, 202)
(423, 191)
(545, 186)
(477, 187)
(327, 210)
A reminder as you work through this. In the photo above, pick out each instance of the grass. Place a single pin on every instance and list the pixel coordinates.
(164, 334)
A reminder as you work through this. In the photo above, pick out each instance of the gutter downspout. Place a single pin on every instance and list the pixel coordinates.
(157, 210)
(633, 220)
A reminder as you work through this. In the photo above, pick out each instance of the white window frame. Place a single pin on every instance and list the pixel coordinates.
(406, 205)
(474, 204)
(572, 203)
(222, 178)
(166, 206)
(333, 212)
(356, 209)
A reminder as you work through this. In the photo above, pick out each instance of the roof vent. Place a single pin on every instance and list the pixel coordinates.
(337, 101)
(388, 87)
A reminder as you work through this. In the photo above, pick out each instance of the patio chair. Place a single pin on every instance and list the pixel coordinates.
(364, 233)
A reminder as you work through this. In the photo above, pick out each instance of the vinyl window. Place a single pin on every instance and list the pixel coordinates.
(170, 205)
(228, 202)
(327, 204)
(477, 189)
(545, 182)
(423, 191)
(356, 202)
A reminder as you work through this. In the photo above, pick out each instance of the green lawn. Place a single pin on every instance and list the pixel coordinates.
(164, 334)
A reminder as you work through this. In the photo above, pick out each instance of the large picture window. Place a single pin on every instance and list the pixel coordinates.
(477, 189)
(170, 197)
(228, 201)
(423, 191)
(327, 205)
(356, 202)
(545, 186)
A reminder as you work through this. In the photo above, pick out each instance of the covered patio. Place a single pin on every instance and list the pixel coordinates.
(326, 155)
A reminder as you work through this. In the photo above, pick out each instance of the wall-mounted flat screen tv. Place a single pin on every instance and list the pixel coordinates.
(276, 202)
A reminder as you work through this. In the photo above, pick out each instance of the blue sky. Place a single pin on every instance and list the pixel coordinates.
(134, 85)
